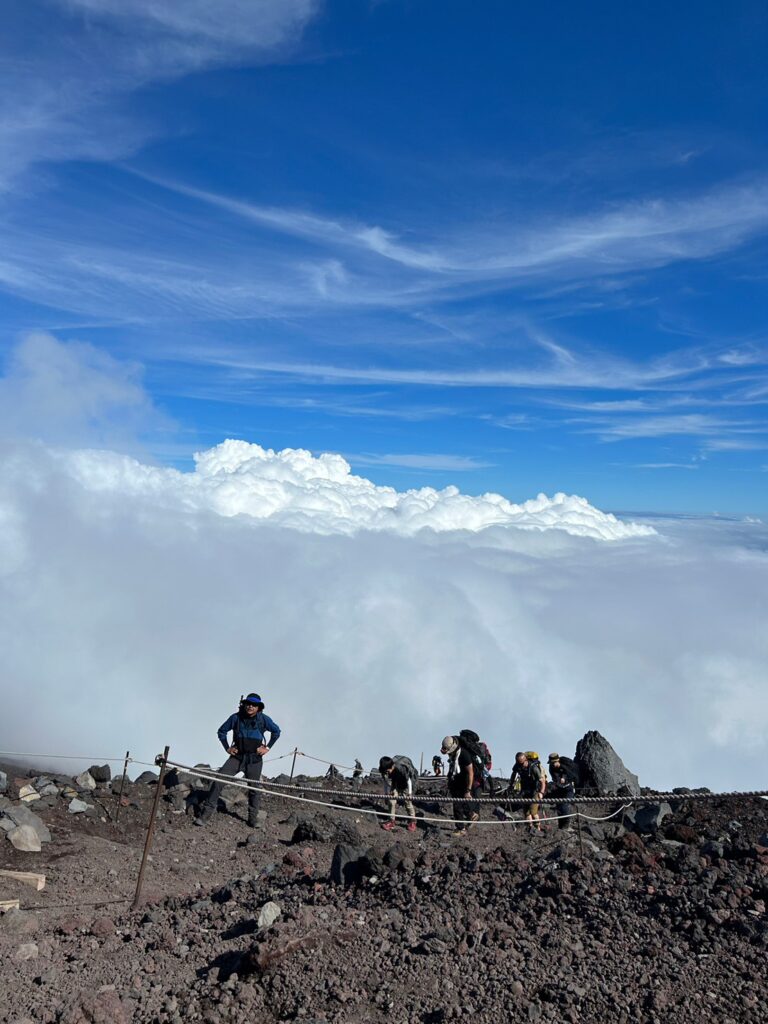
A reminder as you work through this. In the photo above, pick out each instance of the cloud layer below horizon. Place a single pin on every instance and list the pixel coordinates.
(134, 613)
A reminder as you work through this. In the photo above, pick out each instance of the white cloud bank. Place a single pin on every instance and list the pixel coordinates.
(133, 613)
(295, 489)
(137, 603)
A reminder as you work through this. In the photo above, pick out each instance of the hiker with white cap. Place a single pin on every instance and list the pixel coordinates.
(461, 783)
(248, 726)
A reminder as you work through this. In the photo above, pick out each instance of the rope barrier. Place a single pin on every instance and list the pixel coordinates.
(73, 757)
(257, 784)
(266, 785)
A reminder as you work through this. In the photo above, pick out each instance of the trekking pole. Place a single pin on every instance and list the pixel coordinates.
(421, 764)
(162, 760)
(293, 763)
(122, 786)
(578, 826)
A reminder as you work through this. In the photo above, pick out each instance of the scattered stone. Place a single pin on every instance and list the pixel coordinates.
(20, 814)
(601, 770)
(268, 914)
(713, 849)
(25, 839)
(28, 794)
(100, 773)
(346, 868)
(3, 782)
(103, 927)
(85, 781)
(27, 951)
(146, 779)
(649, 817)
(77, 806)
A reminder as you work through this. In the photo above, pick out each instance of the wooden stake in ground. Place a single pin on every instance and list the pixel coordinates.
(26, 877)
(162, 760)
(122, 786)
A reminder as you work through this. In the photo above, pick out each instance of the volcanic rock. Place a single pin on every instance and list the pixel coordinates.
(601, 770)
(346, 867)
(268, 914)
(100, 773)
(85, 781)
(25, 838)
(146, 779)
(20, 814)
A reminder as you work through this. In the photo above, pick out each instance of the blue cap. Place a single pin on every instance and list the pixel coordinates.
(252, 698)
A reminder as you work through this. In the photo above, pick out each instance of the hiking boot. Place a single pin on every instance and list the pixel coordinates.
(411, 826)
(459, 832)
(388, 826)
(204, 816)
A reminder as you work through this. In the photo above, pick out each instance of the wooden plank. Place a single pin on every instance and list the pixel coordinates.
(27, 877)
(8, 905)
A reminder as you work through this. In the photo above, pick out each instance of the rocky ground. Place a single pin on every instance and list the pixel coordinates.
(325, 917)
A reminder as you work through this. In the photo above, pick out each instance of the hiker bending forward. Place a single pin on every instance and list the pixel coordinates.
(462, 784)
(248, 726)
(399, 784)
(533, 785)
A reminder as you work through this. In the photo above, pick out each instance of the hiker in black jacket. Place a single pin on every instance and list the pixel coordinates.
(563, 788)
(399, 785)
(462, 784)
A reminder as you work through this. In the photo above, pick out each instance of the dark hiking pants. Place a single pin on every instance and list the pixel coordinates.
(250, 765)
(463, 809)
(565, 806)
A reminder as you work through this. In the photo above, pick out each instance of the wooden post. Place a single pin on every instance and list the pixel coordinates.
(421, 765)
(122, 786)
(162, 760)
(293, 762)
(578, 826)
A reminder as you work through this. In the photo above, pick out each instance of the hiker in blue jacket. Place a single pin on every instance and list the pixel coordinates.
(248, 726)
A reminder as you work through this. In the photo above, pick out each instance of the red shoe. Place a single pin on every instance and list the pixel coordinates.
(411, 826)
(388, 825)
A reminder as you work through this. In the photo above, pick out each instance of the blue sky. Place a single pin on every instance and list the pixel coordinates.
(518, 250)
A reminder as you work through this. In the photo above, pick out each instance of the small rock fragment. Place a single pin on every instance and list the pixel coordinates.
(25, 838)
(268, 914)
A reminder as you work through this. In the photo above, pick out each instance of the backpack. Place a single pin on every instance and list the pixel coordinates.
(536, 764)
(406, 765)
(478, 751)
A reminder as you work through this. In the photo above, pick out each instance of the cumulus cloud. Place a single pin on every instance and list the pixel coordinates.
(137, 603)
(293, 488)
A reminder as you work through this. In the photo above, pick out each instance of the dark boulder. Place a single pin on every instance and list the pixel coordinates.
(100, 773)
(347, 866)
(601, 770)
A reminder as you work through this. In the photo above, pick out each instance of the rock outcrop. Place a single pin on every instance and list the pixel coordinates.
(601, 770)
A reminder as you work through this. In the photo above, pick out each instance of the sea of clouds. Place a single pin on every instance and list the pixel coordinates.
(138, 602)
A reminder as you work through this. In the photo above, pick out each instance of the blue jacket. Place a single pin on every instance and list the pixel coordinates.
(248, 733)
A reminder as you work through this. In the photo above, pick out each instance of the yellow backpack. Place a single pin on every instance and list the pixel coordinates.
(533, 757)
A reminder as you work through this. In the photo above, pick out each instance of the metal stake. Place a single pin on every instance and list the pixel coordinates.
(293, 762)
(122, 785)
(578, 826)
(162, 760)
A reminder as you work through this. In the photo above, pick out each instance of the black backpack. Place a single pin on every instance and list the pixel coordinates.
(478, 751)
